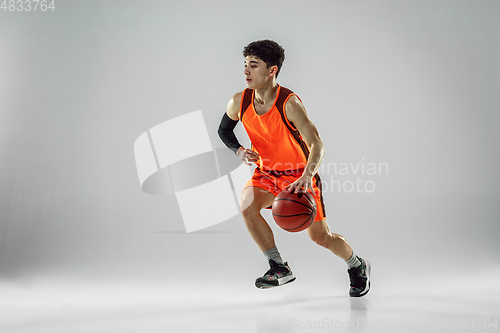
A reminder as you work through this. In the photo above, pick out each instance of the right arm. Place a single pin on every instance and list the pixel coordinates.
(226, 131)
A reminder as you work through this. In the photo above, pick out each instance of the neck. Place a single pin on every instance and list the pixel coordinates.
(267, 92)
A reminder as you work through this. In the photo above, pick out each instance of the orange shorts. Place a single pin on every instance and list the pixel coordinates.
(275, 181)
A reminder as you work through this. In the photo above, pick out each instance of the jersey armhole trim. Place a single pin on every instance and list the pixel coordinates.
(246, 101)
(241, 104)
(284, 110)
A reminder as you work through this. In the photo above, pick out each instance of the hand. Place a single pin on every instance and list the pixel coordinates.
(305, 181)
(247, 156)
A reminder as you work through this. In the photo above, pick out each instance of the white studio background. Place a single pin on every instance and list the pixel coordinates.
(409, 84)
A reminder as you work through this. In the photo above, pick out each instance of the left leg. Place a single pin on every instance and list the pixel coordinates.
(321, 235)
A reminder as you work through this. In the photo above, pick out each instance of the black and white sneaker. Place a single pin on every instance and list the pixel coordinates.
(360, 279)
(278, 275)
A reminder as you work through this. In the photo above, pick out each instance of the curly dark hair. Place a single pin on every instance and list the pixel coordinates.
(268, 51)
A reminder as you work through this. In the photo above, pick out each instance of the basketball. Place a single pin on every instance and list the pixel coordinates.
(294, 212)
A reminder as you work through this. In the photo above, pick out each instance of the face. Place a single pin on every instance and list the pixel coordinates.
(257, 73)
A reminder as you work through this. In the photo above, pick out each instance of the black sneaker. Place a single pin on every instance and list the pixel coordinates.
(278, 275)
(360, 278)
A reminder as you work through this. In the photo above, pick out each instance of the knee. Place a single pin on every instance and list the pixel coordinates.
(248, 208)
(249, 212)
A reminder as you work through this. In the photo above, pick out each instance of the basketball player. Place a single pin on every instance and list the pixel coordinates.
(287, 150)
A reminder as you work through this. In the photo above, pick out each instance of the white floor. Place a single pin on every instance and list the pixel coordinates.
(469, 302)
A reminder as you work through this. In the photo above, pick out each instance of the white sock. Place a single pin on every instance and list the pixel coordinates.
(353, 261)
(274, 255)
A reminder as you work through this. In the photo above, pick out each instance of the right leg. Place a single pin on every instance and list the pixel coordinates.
(253, 200)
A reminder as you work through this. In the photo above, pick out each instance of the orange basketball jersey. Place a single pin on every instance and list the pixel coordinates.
(276, 140)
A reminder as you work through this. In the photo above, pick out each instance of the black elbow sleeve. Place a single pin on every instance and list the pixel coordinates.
(226, 133)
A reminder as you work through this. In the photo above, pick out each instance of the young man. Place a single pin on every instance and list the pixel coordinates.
(287, 149)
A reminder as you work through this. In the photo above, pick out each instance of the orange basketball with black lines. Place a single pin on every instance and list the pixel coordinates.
(294, 212)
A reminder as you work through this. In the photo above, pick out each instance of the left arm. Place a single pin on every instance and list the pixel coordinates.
(297, 114)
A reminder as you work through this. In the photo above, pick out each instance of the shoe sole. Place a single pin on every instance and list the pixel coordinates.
(367, 288)
(281, 281)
